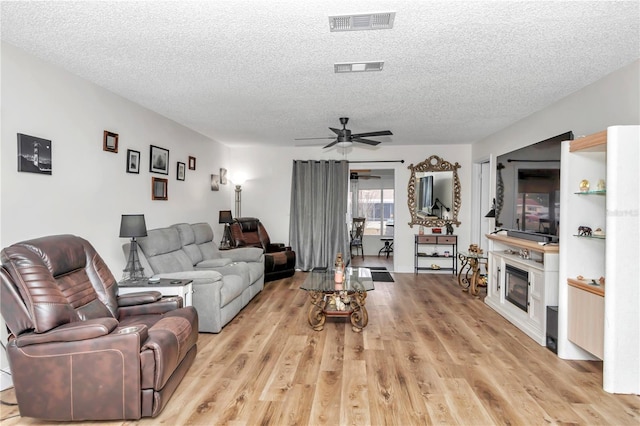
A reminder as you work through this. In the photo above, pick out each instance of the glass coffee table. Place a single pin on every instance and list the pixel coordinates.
(329, 299)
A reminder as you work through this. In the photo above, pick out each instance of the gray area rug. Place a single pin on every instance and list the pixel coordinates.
(380, 274)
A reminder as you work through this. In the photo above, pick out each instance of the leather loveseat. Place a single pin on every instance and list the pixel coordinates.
(279, 260)
(79, 351)
(224, 281)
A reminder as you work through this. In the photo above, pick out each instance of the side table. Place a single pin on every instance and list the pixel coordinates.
(166, 287)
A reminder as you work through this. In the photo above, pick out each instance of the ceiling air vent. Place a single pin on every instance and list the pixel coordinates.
(369, 21)
(358, 66)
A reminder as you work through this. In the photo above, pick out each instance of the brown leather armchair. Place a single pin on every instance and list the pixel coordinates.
(279, 260)
(77, 350)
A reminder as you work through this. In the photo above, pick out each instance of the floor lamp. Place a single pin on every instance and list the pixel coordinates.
(133, 226)
(238, 200)
(226, 218)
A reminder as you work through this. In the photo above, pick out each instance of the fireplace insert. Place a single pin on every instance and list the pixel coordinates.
(517, 287)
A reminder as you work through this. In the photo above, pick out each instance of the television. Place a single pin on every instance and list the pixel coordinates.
(425, 195)
(528, 190)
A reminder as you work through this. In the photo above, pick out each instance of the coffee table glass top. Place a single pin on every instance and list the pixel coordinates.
(356, 280)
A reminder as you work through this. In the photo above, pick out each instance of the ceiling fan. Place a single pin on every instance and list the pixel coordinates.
(345, 138)
(362, 174)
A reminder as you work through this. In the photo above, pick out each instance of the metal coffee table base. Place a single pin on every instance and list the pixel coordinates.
(338, 304)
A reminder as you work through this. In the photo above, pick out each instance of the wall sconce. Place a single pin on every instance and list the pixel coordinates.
(492, 212)
(435, 207)
(133, 226)
(226, 218)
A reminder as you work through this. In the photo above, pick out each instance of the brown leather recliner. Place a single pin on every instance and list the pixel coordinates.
(77, 350)
(279, 260)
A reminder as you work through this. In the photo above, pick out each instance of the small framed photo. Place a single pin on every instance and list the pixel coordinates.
(223, 176)
(215, 182)
(181, 171)
(192, 163)
(159, 160)
(159, 188)
(133, 161)
(110, 142)
(34, 154)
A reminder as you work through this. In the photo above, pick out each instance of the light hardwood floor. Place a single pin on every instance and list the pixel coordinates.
(431, 354)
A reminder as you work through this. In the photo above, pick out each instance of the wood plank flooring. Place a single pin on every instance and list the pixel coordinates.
(431, 354)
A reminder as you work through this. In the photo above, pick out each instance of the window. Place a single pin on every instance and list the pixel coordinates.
(374, 200)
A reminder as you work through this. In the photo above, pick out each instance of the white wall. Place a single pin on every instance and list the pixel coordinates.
(266, 194)
(612, 100)
(89, 188)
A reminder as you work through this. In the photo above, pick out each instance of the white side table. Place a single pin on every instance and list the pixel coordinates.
(167, 287)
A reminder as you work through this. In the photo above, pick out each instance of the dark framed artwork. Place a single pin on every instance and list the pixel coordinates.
(159, 188)
(133, 161)
(110, 142)
(192, 163)
(181, 171)
(34, 155)
(223, 176)
(215, 182)
(159, 160)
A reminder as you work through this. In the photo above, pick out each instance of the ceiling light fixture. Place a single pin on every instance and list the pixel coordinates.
(358, 66)
(362, 22)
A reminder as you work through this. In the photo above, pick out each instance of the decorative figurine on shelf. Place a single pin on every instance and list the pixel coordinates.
(601, 185)
(584, 231)
(584, 185)
(598, 232)
(449, 228)
(601, 280)
(421, 230)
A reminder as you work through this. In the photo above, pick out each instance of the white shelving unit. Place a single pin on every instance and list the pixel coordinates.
(601, 321)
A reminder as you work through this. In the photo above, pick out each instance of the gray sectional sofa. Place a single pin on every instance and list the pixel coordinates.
(224, 281)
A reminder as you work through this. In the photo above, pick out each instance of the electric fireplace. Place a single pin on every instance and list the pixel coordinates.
(517, 287)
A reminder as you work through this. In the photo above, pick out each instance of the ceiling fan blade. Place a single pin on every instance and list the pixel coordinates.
(336, 131)
(368, 177)
(331, 144)
(380, 133)
(367, 141)
(310, 139)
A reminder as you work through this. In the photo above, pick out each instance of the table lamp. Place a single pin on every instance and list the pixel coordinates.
(226, 218)
(133, 226)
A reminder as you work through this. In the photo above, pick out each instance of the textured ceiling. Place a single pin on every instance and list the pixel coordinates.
(261, 72)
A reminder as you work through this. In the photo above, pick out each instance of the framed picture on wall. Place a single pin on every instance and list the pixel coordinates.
(159, 188)
(34, 154)
(181, 171)
(215, 182)
(223, 176)
(110, 142)
(159, 160)
(133, 161)
(192, 163)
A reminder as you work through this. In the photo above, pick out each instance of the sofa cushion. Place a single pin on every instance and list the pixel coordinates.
(188, 239)
(160, 241)
(213, 263)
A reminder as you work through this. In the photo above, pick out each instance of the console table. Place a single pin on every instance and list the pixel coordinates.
(436, 241)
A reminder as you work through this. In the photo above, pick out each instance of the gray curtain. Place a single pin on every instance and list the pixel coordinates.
(318, 229)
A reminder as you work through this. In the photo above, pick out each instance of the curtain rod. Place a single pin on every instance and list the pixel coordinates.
(532, 161)
(378, 161)
(361, 161)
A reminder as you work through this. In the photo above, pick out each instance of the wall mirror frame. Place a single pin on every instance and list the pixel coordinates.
(433, 164)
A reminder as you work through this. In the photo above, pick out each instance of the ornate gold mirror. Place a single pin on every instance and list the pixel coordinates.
(434, 193)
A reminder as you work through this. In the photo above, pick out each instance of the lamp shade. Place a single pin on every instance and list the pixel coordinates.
(133, 225)
(225, 216)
